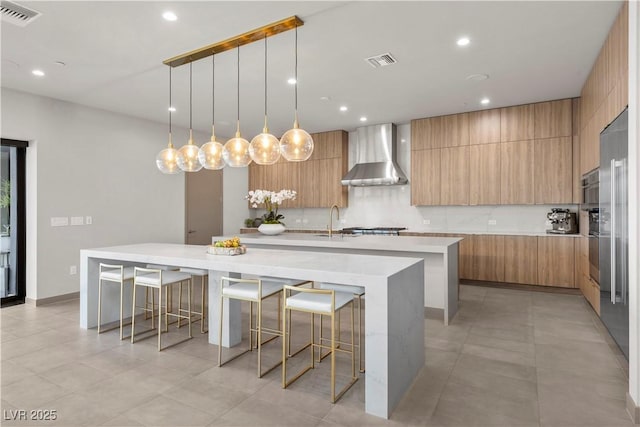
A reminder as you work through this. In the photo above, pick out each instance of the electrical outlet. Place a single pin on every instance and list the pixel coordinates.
(59, 221)
(298, 220)
(73, 270)
(492, 222)
(305, 220)
(426, 222)
(343, 221)
(77, 220)
(88, 220)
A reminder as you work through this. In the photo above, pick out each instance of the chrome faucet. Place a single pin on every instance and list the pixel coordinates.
(331, 218)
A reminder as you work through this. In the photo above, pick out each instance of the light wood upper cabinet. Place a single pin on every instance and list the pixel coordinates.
(439, 132)
(553, 159)
(488, 258)
(516, 173)
(425, 177)
(517, 123)
(553, 119)
(556, 261)
(316, 180)
(454, 176)
(484, 174)
(521, 259)
(484, 126)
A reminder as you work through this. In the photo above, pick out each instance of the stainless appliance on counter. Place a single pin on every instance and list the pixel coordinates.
(562, 221)
(613, 231)
(379, 231)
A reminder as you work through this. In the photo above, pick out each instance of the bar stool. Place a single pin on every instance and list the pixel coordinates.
(160, 280)
(116, 274)
(324, 302)
(253, 291)
(203, 275)
(153, 297)
(358, 293)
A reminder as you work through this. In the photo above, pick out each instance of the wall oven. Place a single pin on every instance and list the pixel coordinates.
(590, 199)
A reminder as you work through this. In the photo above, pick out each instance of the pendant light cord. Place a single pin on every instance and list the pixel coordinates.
(265, 81)
(213, 90)
(190, 95)
(170, 104)
(238, 88)
(296, 72)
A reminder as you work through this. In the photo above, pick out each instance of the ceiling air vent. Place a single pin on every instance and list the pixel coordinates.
(16, 14)
(381, 60)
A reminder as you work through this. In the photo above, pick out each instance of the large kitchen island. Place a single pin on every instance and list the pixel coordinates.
(440, 256)
(394, 318)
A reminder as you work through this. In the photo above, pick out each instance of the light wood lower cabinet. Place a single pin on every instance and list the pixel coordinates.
(521, 259)
(556, 261)
(488, 259)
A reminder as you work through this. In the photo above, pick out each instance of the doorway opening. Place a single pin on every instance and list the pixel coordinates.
(13, 214)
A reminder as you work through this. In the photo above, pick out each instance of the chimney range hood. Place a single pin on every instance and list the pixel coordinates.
(375, 158)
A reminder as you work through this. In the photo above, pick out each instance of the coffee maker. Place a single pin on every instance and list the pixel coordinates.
(562, 221)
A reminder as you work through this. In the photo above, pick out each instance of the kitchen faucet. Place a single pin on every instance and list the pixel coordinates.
(331, 218)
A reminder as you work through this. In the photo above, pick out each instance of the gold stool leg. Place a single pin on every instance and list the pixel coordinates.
(159, 318)
(284, 343)
(360, 355)
(133, 313)
(179, 304)
(259, 335)
(333, 358)
(99, 303)
(220, 327)
(121, 304)
(203, 316)
(189, 289)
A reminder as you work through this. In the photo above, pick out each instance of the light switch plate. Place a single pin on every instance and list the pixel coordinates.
(77, 220)
(492, 222)
(73, 270)
(59, 221)
(426, 222)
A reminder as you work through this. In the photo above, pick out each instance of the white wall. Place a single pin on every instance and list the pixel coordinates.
(83, 161)
(391, 206)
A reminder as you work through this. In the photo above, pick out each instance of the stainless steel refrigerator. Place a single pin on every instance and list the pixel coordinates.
(614, 231)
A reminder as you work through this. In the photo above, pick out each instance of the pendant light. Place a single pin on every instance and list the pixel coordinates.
(166, 160)
(188, 153)
(236, 150)
(210, 155)
(296, 144)
(265, 148)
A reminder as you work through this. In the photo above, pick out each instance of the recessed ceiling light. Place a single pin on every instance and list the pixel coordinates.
(169, 16)
(463, 41)
(363, 119)
(477, 77)
(484, 101)
(38, 73)
(60, 63)
(325, 98)
(172, 109)
(343, 108)
(291, 81)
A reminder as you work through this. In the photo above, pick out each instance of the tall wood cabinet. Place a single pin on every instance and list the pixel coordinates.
(316, 180)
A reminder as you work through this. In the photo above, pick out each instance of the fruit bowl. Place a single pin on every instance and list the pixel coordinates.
(214, 250)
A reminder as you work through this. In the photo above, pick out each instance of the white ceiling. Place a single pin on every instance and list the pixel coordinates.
(113, 51)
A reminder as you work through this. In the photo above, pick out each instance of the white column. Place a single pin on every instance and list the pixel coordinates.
(634, 212)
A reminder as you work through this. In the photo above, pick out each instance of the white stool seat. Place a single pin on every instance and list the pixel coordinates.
(168, 277)
(250, 290)
(353, 289)
(115, 276)
(160, 267)
(195, 271)
(319, 303)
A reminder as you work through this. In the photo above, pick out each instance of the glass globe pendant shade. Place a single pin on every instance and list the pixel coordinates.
(166, 160)
(236, 152)
(210, 155)
(296, 145)
(188, 156)
(264, 148)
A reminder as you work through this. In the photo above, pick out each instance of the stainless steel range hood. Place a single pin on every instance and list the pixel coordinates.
(375, 158)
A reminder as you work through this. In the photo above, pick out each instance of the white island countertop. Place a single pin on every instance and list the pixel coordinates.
(354, 241)
(439, 253)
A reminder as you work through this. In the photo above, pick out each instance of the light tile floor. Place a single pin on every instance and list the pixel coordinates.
(509, 358)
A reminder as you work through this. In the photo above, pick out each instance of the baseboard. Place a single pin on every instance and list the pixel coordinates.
(433, 313)
(51, 300)
(633, 410)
